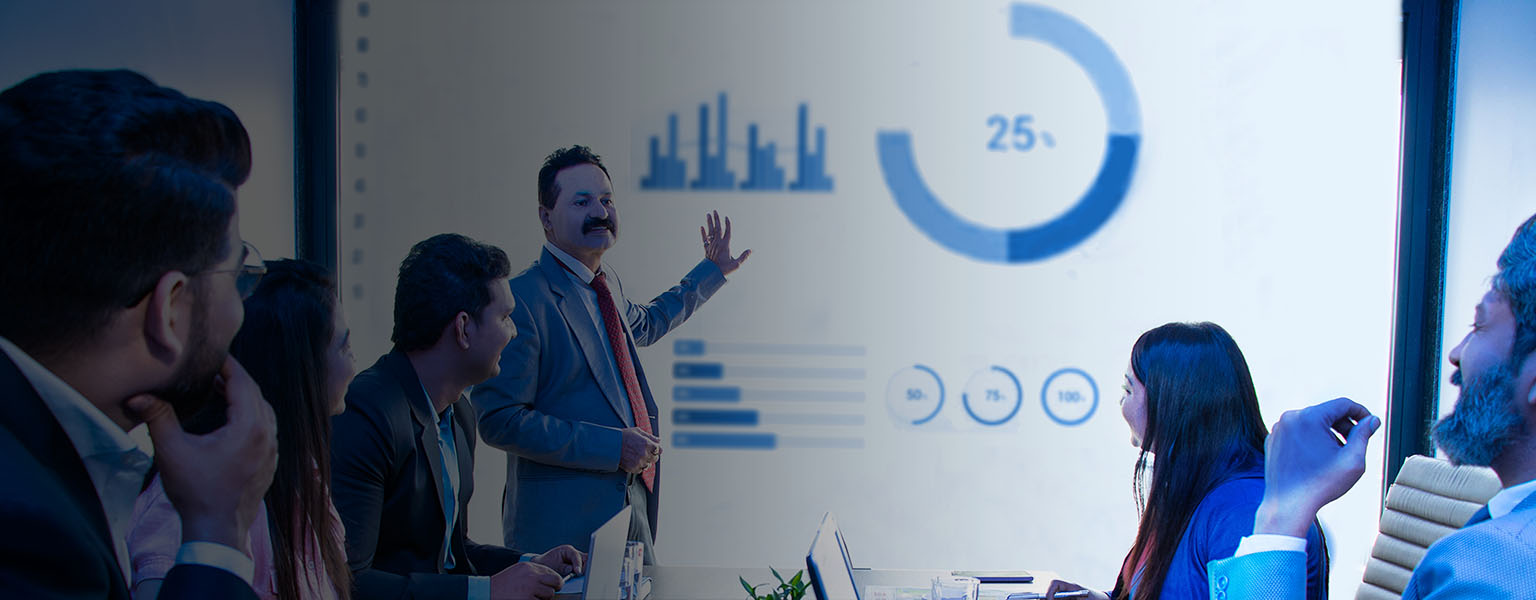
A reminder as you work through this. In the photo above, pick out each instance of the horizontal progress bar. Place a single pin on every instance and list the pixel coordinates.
(706, 440)
(811, 419)
(709, 370)
(752, 418)
(843, 443)
(743, 418)
(702, 347)
(729, 441)
(730, 393)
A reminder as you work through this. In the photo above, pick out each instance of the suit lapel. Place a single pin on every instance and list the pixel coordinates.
(593, 343)
(410, 383)
(463, 444)
(34, 426)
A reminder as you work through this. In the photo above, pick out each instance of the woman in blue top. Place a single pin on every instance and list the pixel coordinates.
(1191, 406)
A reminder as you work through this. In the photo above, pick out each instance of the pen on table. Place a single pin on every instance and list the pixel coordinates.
(1040, 596)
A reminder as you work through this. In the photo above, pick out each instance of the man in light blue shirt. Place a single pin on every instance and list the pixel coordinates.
(1493, 424)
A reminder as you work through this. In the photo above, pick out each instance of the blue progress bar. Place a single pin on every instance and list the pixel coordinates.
(822, 443)
(734, 394)
(812, 419)
(704, 393)
(726, 441)
(801, 396)
(689, 416)
(714, 370)
(684, 370)
(700, 348)
(798, 372)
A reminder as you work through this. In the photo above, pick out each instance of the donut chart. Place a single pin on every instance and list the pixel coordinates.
(1102, 198)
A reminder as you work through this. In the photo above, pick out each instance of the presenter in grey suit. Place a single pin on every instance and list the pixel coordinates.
(1493, 424)
(571, 406)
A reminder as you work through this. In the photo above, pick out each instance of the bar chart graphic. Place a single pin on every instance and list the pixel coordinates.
(767, 396)
(668, 171)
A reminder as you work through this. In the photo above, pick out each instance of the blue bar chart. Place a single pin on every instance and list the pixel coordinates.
(760, 396)
(812, 165)
(667, 169)
(667, 172)
(762, 172)
(713, 174)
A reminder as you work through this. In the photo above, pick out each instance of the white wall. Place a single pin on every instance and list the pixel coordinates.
(1493, 182)
(236, 53)
(1264, 199)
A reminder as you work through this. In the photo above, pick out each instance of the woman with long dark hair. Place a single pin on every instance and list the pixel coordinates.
(1190, 402)
(295, 345)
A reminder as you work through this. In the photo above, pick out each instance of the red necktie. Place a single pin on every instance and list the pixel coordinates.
(619, 343)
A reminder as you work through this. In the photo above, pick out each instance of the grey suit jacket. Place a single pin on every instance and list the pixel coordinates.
(1487, 559)
(558, 409)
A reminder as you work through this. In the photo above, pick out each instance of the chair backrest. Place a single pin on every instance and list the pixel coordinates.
(1430, 500)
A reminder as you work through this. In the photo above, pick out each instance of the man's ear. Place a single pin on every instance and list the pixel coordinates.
(544, 218)
(1525, 379)
(461, 329)
(168, 317)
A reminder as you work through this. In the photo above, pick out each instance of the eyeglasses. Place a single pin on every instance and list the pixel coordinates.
(248, 274)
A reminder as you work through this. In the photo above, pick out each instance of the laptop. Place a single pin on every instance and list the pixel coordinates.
(605, 561)
(828, 562)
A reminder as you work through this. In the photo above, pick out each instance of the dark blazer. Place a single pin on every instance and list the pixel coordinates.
(54, 538)
(386, 486)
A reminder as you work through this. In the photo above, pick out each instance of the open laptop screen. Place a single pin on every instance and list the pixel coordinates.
(830, 567)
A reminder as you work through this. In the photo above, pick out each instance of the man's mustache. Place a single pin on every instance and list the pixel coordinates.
(592, 223)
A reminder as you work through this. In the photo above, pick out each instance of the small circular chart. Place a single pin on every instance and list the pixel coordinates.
(915, 395)
(992, 396)
(1069, 396)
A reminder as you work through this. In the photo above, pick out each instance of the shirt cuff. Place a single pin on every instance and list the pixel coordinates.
(1268, 542)
(479, 588)
(218, 556)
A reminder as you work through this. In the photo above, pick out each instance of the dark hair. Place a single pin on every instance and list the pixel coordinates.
(1203, 425)
(558, 161)
(107, 182)
(443, 275)
(1516, 284)
(285, 345)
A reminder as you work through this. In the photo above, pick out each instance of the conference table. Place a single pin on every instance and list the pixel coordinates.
(721, 583)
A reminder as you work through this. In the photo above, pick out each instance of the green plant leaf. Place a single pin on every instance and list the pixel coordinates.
(796, 579)
(751, 590)
(776, 575)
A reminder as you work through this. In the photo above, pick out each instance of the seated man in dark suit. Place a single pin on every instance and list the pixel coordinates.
(403, 459)
(121, 274)
(1493, 425)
